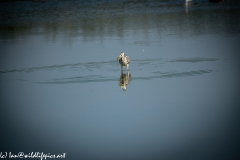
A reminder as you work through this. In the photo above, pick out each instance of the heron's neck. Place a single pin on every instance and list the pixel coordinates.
(120, 60)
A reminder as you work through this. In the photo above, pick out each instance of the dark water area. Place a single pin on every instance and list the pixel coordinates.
(62, 90)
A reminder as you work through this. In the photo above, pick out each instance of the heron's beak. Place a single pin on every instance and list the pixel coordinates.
(118, 58)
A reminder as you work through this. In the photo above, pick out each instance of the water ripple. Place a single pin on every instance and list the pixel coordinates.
(100, 78)
(60, 67)
(84, 79)
(145, 69)
(193, 60)
(81, 66)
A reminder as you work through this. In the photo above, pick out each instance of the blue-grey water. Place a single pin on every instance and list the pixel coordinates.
(62, 91)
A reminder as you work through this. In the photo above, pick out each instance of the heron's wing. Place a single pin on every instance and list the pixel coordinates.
(128, 59)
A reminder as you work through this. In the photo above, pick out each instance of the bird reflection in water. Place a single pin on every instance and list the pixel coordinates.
(124, 80)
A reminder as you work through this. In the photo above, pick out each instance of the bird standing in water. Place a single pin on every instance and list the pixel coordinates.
(124, 60)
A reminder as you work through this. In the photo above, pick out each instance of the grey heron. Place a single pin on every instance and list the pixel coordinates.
(124, 60)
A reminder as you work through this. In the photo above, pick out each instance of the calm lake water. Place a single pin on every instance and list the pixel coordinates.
(62, 90)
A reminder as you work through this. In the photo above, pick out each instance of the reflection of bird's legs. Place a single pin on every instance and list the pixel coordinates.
(128, 73)
(121, 67)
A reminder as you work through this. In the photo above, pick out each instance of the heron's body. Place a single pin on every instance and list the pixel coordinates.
(124, 60)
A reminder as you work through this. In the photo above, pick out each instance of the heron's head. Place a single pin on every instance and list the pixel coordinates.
(123, 86)
(120, 56)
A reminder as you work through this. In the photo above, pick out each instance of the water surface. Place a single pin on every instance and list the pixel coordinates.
(62, 90)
